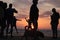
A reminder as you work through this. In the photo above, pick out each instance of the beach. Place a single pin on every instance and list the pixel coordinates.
(19, 36)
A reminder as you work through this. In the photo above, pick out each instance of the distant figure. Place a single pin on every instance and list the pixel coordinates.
(10, 12)
(54, 22)
(34, 13)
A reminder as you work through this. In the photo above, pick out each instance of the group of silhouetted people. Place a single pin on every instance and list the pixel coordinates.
(7, 18)
(34, 14)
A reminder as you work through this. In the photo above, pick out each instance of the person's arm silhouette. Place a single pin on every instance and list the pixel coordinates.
(15, 11)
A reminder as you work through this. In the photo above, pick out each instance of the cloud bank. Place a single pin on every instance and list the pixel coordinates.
(45, 6)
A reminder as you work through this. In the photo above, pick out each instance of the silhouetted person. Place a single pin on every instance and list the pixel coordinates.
(2, 12)
(5, 14)
(14, 23)
(10, 12)
(5, 17)
(34, 13)
(54, 22)
(1, 16)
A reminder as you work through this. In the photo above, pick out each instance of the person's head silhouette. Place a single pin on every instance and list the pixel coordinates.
(1, 3)
(53, 10)
(10, 5)
(4, 5)
(35, 2)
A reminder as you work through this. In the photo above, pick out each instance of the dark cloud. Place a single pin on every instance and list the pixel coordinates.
(54, 2)
(22, 16)
(45, 14)
(20, 2)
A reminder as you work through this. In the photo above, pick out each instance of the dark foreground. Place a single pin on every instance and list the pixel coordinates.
(23, 38)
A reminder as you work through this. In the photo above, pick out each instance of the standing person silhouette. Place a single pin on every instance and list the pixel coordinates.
(3, 7)
(10, 12)
(34, 13)
(1, 18)
(54, 22)
(14, 23)
(4, 18)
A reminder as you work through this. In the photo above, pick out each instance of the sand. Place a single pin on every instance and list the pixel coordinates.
(23, 38)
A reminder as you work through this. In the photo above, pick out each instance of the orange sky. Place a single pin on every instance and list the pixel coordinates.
(43, 23)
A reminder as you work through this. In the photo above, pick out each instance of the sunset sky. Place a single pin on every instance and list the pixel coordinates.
(44, 6)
